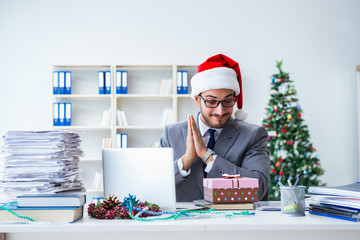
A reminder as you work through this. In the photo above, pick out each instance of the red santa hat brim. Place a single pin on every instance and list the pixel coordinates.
(215, 78)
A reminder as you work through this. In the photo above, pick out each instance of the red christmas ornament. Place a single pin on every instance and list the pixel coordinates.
(318, 163)
(299, 114)
(283, 130)
(272, 170)
(281, 160)
(275, 110)
(268, 125)
(282, 80)
(277, 164)
(289, 143)
(281, 113)
(281, 173)
(312, 148)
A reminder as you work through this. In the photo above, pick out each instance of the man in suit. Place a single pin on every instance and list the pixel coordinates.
(213, 143)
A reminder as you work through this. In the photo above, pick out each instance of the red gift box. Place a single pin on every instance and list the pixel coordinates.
(231, 190)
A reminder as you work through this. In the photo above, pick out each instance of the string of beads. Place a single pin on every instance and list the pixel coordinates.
(4, 207)
(184, 213)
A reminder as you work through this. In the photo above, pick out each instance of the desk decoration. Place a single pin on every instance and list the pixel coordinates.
(231, 189)
(112, 208)
(131, 208)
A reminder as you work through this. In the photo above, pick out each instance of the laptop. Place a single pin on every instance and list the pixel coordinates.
(147, 173)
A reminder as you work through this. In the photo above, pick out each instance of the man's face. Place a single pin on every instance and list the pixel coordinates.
(215, 117)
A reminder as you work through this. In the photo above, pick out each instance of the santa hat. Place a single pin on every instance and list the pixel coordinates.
(218, 72)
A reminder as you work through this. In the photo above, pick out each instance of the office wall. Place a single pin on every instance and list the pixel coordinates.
(318, 41)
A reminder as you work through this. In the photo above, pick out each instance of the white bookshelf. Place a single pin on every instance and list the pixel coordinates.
(142, 105)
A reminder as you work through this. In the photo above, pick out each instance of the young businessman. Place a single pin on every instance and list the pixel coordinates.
(213, 143)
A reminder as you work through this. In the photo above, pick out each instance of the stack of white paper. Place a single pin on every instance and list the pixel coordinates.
(40, 162)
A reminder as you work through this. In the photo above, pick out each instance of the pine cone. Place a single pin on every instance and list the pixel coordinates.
(110, 202)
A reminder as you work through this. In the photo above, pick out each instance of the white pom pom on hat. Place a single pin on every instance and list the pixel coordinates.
(219, 72)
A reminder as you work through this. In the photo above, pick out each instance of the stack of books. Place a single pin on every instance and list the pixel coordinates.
(39, 162)
(121, 120)
(106, 118)
(44, 207)
(165, 87)
(166, 117)
(341, 202)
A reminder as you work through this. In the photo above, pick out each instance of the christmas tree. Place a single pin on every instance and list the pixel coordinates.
(289, 140)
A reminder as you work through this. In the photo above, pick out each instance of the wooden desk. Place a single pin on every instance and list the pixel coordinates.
(264, 225)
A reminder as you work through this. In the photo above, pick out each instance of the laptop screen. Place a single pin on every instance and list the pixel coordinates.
(147, 173)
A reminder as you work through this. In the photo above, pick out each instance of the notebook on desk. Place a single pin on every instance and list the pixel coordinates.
(147, 173)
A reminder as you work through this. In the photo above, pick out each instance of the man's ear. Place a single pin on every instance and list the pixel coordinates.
(197, 100)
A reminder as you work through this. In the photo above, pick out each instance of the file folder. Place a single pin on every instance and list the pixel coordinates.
(68, 114)
(67, 82)
(118, 82)
(61, 82)
(101, 77)
(184, 88)
(61, 114)
(118, 140)
(56, 89)
(107, 82)
(179, 82)
(124, 82)
(124, 140)
(56, 114)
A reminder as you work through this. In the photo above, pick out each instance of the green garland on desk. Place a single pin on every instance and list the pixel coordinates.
(131, 208)
(111, 208)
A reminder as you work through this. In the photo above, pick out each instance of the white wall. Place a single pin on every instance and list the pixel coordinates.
(318, 41)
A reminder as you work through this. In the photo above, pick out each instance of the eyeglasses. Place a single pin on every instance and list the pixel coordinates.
(214, 103)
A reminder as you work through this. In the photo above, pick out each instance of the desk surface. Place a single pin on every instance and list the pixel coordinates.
(261, 221)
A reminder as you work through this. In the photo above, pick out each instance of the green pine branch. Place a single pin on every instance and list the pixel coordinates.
(281, 73)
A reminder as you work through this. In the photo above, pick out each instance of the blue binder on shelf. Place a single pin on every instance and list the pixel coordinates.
(101, 79)
(178, 82)
(118, 82)
(118, 140)
(56, 114)
(184, 88)
(182, 82)
(121, 140)
(56, 89)
(124, 140)
(61, 82)
(68, 82)
(61, 114)
(124, 82)
(107, 82)
(68, 113)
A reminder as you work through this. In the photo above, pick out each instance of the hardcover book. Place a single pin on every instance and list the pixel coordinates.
(51, 200)
(41, 214)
